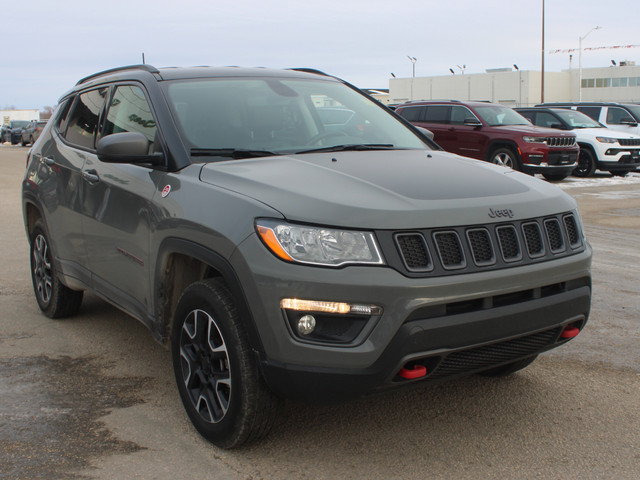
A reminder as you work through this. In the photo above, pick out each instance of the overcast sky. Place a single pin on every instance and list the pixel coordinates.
(49, 45)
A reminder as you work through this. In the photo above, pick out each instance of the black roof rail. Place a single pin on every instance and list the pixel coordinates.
(145, 67)
(310, 70)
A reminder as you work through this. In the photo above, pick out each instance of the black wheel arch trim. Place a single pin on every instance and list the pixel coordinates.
(174, 245)
(496, 144)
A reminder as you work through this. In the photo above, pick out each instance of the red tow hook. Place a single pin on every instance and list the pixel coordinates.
(570, 332)
(415, 371)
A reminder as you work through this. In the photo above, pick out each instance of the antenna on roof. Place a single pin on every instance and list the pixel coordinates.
(143, 58)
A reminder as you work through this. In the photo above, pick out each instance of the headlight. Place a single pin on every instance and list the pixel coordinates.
(318, 245)
(535, 139)
(607, 140)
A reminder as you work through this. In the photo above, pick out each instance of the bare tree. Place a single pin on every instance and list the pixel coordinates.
(46, 112)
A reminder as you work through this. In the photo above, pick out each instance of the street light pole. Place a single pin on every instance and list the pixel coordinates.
(413, 61)
(580, 61)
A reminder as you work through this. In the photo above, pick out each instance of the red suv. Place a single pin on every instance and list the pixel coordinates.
(497, 134)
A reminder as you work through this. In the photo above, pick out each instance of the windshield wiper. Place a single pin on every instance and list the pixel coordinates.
(350, 147)
(235, 153)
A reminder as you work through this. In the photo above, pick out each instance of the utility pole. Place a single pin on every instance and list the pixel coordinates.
(542, 73)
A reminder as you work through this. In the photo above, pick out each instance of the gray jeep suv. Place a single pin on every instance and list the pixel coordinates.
(279, 253)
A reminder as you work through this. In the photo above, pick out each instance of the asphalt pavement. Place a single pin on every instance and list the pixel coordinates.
(93, 396)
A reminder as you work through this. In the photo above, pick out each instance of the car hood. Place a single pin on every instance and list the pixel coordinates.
(535, 130)
(603, 132)
(388, 189)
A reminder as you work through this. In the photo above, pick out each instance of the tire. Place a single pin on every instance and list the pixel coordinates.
(54, 299)
(216, 371)
(23, 143)
(555, 177)
(506, 157)
(509, 368)
(586, 163)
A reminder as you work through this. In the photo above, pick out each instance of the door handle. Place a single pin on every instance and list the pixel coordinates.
(91, 176)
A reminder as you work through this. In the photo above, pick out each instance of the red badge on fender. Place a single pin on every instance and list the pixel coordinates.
(166, 190)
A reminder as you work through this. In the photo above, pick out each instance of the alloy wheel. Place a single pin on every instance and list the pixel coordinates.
(205, 366)
(42, 269)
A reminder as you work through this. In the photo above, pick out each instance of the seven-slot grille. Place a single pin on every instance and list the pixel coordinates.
(455, 250)
(561, 141)
(629, 142)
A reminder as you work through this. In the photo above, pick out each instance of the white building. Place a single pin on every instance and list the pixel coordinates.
(517, 88)
(8, 115)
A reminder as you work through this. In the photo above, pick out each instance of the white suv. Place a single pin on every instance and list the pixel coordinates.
(600, 147)
(624, 117)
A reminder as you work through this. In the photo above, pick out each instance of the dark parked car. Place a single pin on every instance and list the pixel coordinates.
(13, 132)
(277, 255)
(495, 133)
(3, 133)
(32, 131)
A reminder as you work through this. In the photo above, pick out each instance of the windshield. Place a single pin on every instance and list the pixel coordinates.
(496, 115)
(265, 116)
(19, 123)
(577, 119)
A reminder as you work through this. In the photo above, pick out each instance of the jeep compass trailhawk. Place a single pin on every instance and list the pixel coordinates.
(278, 251)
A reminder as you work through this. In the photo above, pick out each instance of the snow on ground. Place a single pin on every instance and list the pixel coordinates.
(599, 180)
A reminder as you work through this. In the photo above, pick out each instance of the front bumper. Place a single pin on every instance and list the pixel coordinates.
(424, 320)
(447, 347)
(553, 161)
(619, 159)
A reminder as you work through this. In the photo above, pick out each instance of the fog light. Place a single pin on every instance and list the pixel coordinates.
(306, 324)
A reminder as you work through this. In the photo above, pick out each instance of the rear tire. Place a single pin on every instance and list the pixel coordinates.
(509, 368)
(216, 371)
(586, 163)
(54, 299)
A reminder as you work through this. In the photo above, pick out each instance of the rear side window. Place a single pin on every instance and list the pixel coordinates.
(438, 114)
(615, 116)
(129, 111)
(593, 112)
(413, 114)
(85, 117)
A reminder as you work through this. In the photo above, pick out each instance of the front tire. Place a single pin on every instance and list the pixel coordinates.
(586, 163)
(555, 177)
(54, 298)
(216, 371)
(505, 157)
(619, 173)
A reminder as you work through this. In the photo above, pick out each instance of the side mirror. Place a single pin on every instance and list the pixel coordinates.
(472, 122)
(425, 132)
(127, 147)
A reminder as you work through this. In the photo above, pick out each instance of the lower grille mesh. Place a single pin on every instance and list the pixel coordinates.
(477, 358)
